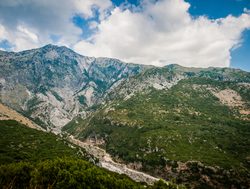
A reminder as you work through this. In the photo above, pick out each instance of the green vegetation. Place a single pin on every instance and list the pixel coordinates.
(61, 173)
(29, 159)
(20, 143)
(70, 127)
(82, 99)
(32, 106)
(67, 173)
(185, 123)
(57, 96)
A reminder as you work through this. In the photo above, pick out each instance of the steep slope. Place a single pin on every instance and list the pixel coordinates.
(7, 113)
(191, 125)
(30, 159)
(188, 124)
(53, 84)
(21, 143)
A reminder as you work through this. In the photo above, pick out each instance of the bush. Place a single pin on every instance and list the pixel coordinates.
(66, 173)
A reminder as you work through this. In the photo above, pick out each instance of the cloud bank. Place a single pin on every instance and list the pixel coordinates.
(164, 33)
(31, 23)
(155, 32)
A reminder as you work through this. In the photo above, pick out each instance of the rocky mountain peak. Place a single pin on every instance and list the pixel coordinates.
(56, 84)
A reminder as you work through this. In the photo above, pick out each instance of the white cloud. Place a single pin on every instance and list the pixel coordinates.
(30, 23)
(22, 37)
(2, 33)
(163, 33)
(93, 25)
(246, 10)
(27, 33)
(85, 7)
(155, 32)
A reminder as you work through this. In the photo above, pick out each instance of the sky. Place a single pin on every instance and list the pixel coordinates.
(193, 33)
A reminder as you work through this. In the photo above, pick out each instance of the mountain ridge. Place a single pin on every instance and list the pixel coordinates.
(65, 71)
(172, 122)
(66, 84)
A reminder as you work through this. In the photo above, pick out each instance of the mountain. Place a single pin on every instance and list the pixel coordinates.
(7, 113)
(179, 123)
(190, 125)
(52, 85)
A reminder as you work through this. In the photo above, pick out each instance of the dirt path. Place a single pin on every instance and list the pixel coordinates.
(106, 161)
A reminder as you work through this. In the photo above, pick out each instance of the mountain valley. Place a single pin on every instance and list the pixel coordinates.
(190, 126)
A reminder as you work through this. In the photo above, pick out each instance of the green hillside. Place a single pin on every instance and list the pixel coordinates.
(61, 173)
(33, 159)
(190, 125)
(20, 143)
(184, 132)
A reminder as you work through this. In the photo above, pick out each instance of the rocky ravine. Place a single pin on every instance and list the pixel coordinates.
(106, 162)
(104, 158)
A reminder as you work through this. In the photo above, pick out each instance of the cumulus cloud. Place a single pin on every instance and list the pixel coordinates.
(157, 32)
(163, 32)
(30, 23)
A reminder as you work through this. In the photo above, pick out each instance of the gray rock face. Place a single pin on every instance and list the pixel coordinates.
(165, 77)
(53, 84)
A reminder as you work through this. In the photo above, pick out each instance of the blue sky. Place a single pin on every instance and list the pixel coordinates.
(196, 33)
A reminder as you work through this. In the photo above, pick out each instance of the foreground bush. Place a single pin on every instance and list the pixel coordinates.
(65, 173)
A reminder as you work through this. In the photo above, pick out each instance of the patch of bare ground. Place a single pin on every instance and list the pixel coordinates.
(247, 85)
(232, 99)
(7, 113)
(245, 112)
(228, 97)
